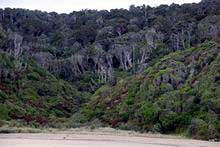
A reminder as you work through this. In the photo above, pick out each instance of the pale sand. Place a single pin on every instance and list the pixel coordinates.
(96, 140)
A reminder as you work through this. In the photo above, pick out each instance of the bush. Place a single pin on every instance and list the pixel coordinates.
(123, 126)
(30, 94)
(98, 112)
(157, 128)
(124, 116)
(77, 119)
(33, 76)
(199, 129)
(47, 90)
(130, 100)
(149, 112)
(165, 87)
(168, 122)
(3, 96)
(88, 113)
(132, 92)
(4, 111)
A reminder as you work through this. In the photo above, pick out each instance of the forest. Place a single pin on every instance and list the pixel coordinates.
(148, 69)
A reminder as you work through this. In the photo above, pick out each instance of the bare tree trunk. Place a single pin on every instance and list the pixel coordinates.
(183, 39)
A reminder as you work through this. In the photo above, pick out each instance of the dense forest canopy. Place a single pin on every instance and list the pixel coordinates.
(146, 69)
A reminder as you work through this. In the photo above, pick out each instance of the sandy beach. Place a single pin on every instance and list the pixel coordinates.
(96, 140)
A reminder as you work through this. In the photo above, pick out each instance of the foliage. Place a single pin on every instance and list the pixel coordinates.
(146, 69)
(35, 93)
(167, 98)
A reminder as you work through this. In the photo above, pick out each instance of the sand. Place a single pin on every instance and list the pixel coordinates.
(96, 140)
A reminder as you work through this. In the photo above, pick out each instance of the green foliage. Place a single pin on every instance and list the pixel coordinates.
(3, 96)
(130, 100)
(201, 130)
(132, 92)
(178, 90)
(89, 82)
(161, 50)
(33, 76)
(124, 116)
(4, 111)
(88, 112)
(169, 121)
(166, 98)
(30, 94)
(35, 93)
(165, 88)
(149, 112)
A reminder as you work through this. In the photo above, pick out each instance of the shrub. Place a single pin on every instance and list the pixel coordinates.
(149, 112)
(47, 90)
(165, 87)
(4, 111)
(198, 129)
(130, 100)
(157, 128)
(132, 92)
(88, 113)
(168, 122)
(98, 112)
(124, 126)
(3, 96)
(30, 94)
(33, 76)
(124, 116)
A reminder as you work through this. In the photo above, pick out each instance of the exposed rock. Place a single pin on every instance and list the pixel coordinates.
(16, 49)
(43, 59)
(209, 28)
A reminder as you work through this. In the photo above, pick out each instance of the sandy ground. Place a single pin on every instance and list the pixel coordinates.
(96, 140)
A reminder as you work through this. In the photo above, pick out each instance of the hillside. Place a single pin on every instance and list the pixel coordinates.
(32, 95)
(143, 69)
(179, 93)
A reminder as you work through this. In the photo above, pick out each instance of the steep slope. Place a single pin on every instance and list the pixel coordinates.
(91, 44)
(33, 96)
(179, 93)
(146, 69)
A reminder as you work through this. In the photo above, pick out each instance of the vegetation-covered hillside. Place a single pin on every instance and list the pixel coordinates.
(178, 93)
(145, 69)
(30, 94)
